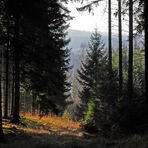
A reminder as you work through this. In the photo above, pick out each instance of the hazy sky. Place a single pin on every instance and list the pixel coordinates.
(87, 22)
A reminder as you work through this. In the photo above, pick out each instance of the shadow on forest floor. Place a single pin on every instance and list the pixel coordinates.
(33, 134)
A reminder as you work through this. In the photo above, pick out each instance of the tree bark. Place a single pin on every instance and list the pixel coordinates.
(33, 103)
(130, 66)
(1, 129)
(7, 71)
(120, 47)
(16, 116)
(12, 95)
(109, 36)
(146, 54)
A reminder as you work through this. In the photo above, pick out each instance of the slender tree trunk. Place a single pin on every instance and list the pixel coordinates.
(16, 116)
(7, 71)
(146, 54)
(2, 79)
(109, 36)
(130, 66)
(26, 102)
(120, 47)
(1, 129)
(33, 103)
(13, 87)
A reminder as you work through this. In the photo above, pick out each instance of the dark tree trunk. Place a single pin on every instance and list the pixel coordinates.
(1, 129)
(120, 47)
(13, 87)
(7, 71)
(16, 116)
(109, 36)
(146, 54)
(33, 103)
(26, 102)
(54, 108)
(130, 65)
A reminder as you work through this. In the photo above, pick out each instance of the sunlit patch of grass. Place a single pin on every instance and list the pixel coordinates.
(28, 116)
(54, 122)
(6, 125)
(8, 128)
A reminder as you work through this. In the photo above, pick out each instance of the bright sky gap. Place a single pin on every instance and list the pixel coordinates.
(87, 22)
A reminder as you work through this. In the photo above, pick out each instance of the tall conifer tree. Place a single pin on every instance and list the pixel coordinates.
(90, 70)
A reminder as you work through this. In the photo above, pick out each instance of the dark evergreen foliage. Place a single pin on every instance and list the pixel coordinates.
(101, 85)
(90, 70)
(37, 33)
(45, 67)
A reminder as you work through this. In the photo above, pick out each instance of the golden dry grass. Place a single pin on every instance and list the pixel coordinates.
(52, 119)
(55, 123)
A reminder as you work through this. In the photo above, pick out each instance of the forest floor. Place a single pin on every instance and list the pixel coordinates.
(55, 132)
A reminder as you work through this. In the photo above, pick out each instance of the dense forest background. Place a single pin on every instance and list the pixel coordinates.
(108, 91)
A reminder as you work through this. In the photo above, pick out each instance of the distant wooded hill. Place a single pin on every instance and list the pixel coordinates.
(82, 37)
(79, 42)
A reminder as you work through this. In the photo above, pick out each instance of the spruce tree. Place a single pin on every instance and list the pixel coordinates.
(46, 63)
(90, 70)
(99, 88)
(38, 46)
